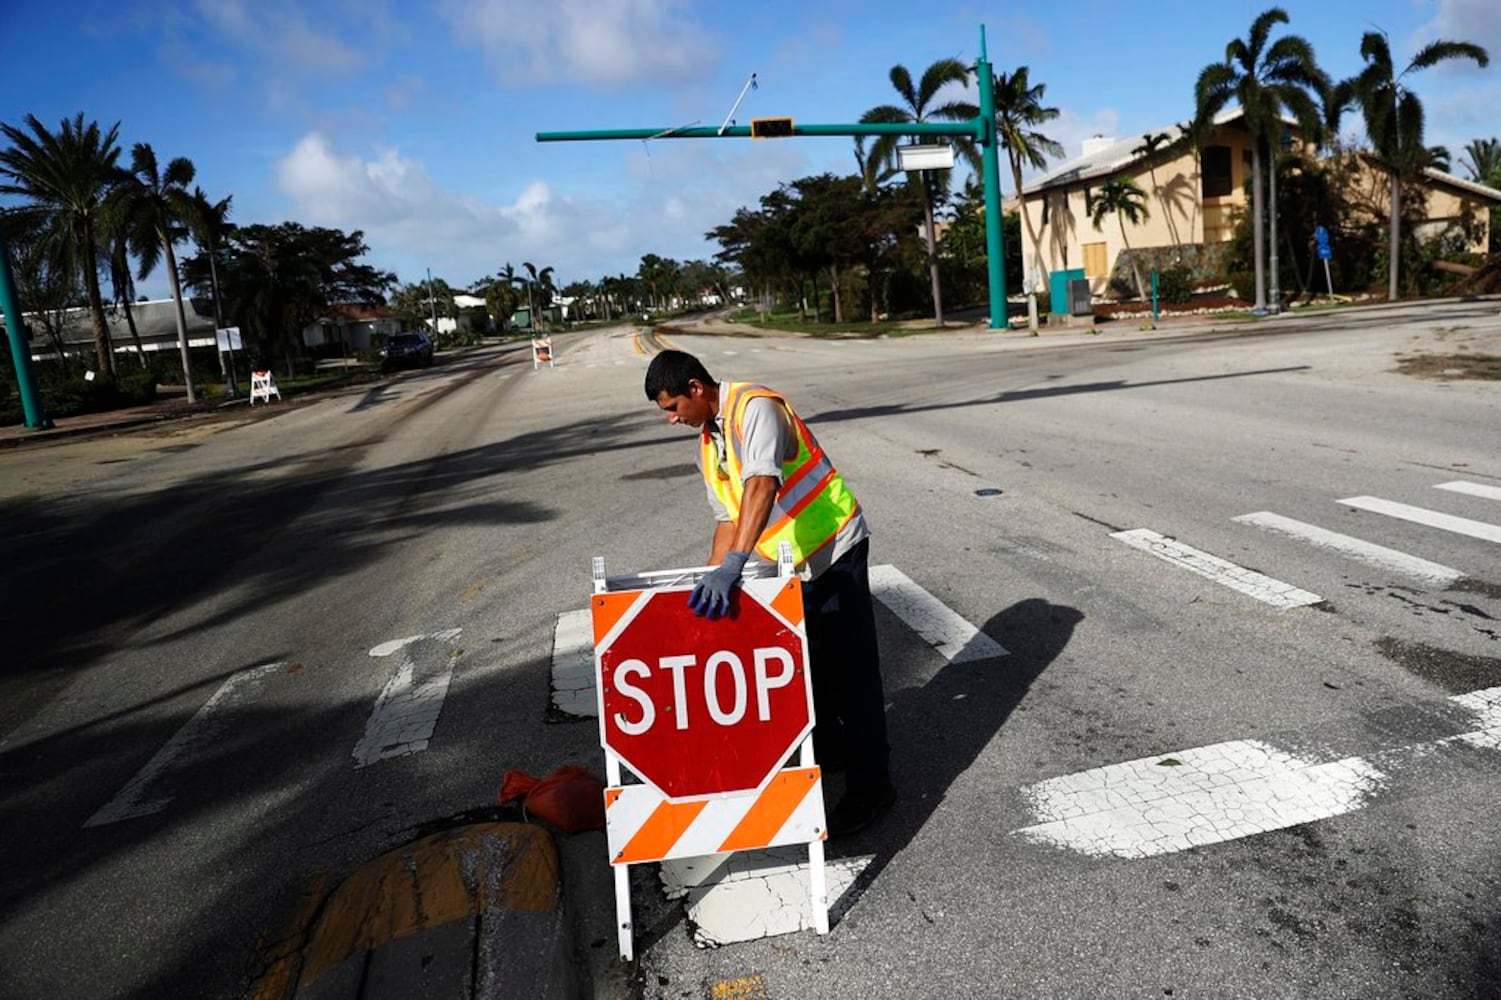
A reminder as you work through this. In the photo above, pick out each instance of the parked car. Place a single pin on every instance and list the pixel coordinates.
(406, 350)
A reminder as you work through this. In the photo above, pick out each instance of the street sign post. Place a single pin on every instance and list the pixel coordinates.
(1321, 238)
(705, 714)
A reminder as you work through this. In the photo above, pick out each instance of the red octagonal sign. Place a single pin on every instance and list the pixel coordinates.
(697, 707)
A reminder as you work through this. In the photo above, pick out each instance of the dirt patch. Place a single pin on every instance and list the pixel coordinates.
(1451, 366)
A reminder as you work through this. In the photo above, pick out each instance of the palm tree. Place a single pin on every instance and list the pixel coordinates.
(917, 106)
(1018, 112)
(157, 204)
(1266, 80)
(542, 281)
(1482, 158)
(1394, 119)
(67, 176)
(1122, 198)
(122, 285)
(208, 223)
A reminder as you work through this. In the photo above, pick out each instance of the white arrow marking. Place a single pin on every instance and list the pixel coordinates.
(1207, 795)
(143, 794)
(1227, 574)
(406, 713)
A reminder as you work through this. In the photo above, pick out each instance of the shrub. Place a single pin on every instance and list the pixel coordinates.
(1175, 285)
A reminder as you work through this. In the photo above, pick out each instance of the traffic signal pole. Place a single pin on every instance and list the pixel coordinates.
(20, 350)
(981, 129)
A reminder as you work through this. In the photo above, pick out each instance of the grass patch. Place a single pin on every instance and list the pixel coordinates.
(1451, 366)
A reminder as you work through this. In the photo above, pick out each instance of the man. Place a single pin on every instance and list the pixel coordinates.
(769, 481)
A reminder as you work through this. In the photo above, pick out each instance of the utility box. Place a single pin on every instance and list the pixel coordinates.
(1058, 289)
(1079, 300)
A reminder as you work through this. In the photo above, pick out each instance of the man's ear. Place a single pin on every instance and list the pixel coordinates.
(695, 387)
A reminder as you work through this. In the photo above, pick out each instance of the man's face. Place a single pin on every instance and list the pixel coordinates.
(692, 409)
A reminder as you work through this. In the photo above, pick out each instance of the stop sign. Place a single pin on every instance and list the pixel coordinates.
(697, 706)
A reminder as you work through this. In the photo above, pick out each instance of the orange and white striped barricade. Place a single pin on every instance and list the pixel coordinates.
(542, 352)
(704, 716)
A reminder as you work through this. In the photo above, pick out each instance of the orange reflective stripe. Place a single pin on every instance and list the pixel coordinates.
(663, 829)
(773, 806)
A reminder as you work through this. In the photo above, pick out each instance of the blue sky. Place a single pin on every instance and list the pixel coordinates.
(414, 121)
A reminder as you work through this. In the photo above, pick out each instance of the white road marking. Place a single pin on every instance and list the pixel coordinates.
(1207, 795)
(406, 713)
(573, 687)
(1367, 552)
(1432, 518)
(1249, 582)
(936, 622)
(1473, 489)
(749, 895)
(142, 795)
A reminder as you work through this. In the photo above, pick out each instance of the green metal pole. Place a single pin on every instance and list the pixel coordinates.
(991, 163)
(15, 329)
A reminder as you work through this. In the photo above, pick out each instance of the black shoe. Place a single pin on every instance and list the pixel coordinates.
(859, 808)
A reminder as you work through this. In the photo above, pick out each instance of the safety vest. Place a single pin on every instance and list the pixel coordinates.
(812, 504)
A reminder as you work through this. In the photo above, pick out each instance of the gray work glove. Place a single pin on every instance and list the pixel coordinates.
(712, 595)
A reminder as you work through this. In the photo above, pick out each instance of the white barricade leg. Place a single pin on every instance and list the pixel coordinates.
(623, 911)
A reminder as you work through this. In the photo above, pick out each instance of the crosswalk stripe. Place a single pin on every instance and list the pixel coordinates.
(142, 795)
(943, 628)
(1208, 795)
(1431, 518)
(1249, 582)
(1473, 489)
(1367, 552)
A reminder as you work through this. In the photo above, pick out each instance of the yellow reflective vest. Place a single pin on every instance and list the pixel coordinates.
(812, 503)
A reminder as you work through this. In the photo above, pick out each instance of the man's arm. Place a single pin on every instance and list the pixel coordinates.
(755, 509)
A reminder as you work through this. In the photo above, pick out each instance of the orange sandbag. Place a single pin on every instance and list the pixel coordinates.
(571, 798)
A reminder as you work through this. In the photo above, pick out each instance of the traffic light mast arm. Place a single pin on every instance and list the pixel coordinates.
(974, 129)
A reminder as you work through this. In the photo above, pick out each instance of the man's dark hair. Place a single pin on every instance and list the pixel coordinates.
(670, 372)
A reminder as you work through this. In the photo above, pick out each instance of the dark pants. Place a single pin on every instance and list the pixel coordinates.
(848, 697)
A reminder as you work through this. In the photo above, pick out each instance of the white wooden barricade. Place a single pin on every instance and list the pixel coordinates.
(542, 352)
(643, 825)
(263, 387)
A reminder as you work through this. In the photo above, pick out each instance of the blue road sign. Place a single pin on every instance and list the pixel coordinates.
(1321, 237)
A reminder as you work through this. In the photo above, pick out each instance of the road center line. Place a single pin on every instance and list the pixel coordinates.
(1432, 518)
(936, 622)
(142, 795)
(1367, 552)
(1249, 582)
(406, 713)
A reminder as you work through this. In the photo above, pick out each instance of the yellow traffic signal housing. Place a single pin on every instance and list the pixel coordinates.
(771, 128)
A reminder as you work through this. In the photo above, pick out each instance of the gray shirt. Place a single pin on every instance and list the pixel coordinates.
(768, 438)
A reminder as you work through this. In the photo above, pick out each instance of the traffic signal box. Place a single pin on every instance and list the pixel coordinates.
(771, 128)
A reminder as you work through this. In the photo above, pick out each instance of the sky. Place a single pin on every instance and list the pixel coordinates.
(414, 121)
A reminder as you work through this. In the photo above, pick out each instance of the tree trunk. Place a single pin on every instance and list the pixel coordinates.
(1258, 248)
(1141, 291)
(182, 321)
(1037, 268)
(927, 211)
(1394, 246)
(135, 335)
(103, 356)
(834, 287)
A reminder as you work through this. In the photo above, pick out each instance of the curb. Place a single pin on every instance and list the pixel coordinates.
(475, 912)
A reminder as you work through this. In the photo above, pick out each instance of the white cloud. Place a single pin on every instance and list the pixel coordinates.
(595, 41)
(672, 194)
(282, 35)
(1071, 128)
(1477, 21)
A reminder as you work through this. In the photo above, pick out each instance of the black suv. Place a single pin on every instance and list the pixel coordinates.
(406, 349)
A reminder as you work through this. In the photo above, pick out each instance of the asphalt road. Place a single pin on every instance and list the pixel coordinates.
(256, 577)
